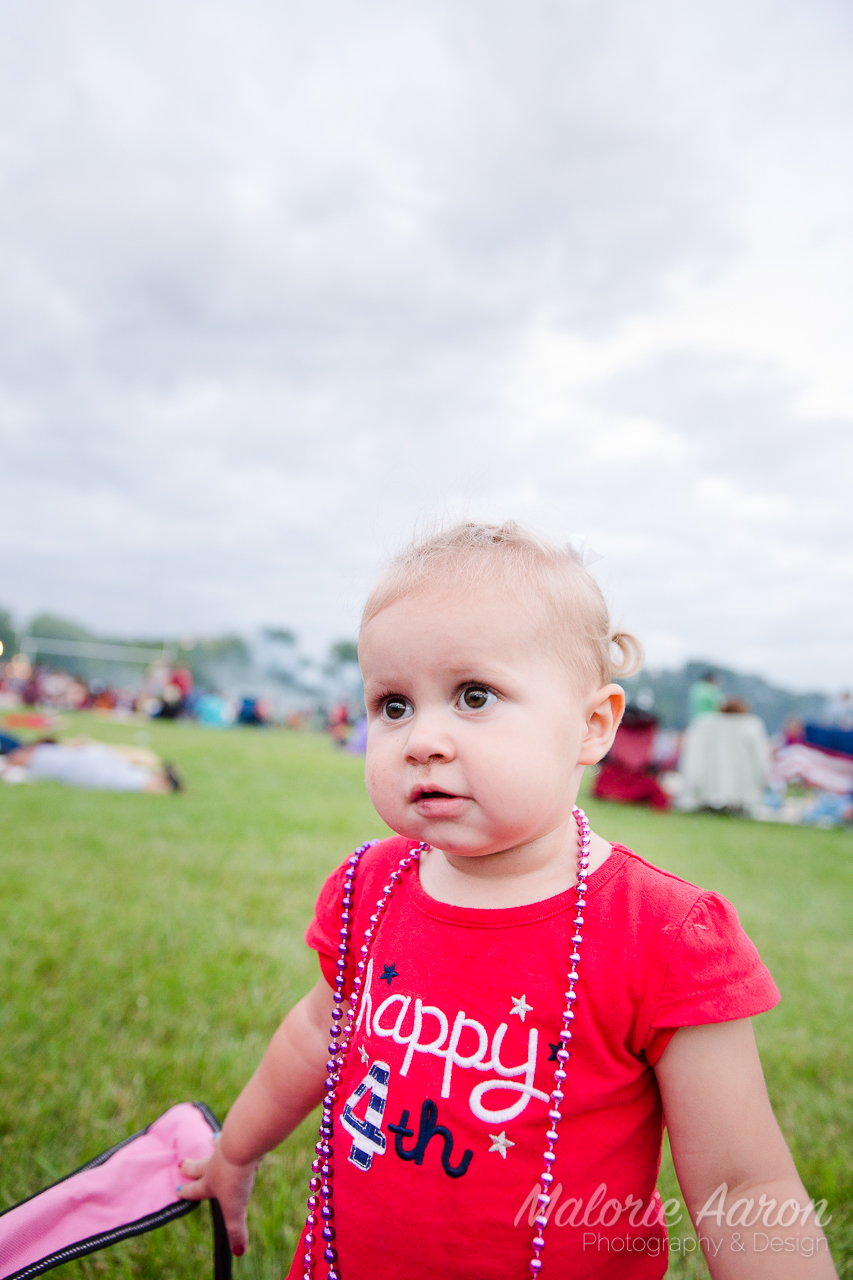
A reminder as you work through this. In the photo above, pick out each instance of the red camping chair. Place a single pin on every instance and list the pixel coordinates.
(124, 1192)
(627, 772)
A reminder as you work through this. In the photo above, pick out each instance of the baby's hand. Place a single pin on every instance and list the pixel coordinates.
(231, 1184)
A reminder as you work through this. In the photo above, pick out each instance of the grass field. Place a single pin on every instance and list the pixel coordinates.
(150, 945)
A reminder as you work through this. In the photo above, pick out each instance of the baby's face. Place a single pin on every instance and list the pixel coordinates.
(477, 732)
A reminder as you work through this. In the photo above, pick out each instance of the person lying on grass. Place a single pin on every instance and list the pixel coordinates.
(95, 766)
(517, 1007)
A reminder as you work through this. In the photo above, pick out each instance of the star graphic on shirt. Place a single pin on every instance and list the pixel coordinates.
(365, 1056)
(500, 1142)
(390, 973)
(520, 1006)
(555, 1048)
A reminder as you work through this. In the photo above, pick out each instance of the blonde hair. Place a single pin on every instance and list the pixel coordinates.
(467, 555)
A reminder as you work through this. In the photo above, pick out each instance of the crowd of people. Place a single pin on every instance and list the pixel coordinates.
(30, 697)
(727, 762)
(165, 692)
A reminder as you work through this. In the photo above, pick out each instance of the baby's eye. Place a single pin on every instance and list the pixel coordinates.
(397, 709)
(475, 698)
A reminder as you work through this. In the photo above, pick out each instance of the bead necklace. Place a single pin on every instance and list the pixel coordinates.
(320, 1199)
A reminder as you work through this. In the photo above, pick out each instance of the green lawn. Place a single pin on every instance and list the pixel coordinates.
(149, 946)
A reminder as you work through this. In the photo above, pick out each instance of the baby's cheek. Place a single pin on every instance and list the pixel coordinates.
(379, 778)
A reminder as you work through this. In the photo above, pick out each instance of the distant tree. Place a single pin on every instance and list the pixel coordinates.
(8, 635)
(280, 634)
(670, 692)
(341, 653)
(50, 627)
(216, 657)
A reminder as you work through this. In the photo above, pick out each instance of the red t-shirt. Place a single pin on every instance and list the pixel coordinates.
(457, 1035)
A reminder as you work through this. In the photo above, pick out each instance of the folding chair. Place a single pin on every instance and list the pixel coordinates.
(123, 1192)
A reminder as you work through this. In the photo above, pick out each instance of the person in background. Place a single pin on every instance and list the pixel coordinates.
(725, 761)
(705, 695)
(94, 766)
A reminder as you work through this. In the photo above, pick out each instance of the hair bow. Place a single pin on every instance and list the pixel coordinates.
(579, 546)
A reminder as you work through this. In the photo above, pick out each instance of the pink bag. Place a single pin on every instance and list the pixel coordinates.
(124, 1192)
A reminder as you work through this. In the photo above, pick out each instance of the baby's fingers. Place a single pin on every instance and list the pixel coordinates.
(196, 1187)
(238, 1230)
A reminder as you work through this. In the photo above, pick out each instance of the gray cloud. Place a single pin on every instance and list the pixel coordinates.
(280, 278)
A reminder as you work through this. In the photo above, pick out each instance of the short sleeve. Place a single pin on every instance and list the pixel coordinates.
(714, 974)
(323, 933)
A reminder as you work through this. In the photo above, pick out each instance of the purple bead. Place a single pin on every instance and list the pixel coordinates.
(538, 1242)
(329, 1233)
(565, 1035)
(325, 1192)
(356, 982)
(536, 1265)
(543, 1198)
(541, 1222)
(551, 1136)
(308, 1239)
(555, 1115)
(557, 1094)
(311, 1220)
(547, 1178)
(562, 1055)
(548, 1156)
(577, 940)
(559, 1075)
(333, 1275)
(312, 1202)
(327, 1212)
(340, 964)
(330, 1254)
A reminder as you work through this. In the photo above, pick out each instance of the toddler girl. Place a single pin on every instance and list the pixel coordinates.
(517, 1006)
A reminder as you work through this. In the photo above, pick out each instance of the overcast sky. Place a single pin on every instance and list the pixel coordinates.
(279, 278)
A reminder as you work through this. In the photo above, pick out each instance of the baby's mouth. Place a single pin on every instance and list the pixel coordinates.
(431, 793)
(436, 801)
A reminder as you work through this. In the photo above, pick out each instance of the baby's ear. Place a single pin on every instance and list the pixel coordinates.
(604, 711)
